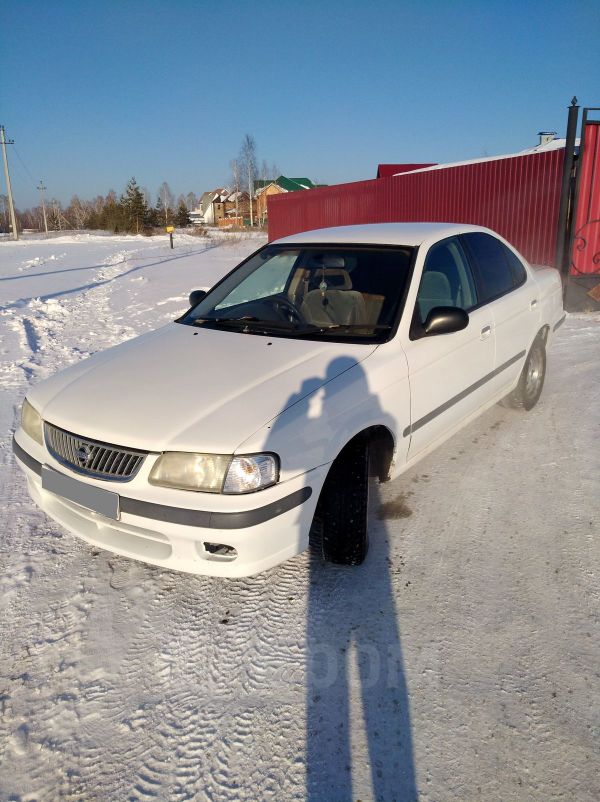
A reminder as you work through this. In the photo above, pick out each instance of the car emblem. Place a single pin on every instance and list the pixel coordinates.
(83, 454)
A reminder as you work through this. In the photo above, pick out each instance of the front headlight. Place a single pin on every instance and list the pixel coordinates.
(32, 423)
(215, 473)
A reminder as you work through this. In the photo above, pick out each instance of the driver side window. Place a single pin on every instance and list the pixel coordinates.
(447, 279)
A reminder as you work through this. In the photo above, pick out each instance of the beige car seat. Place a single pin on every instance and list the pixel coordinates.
(345, 307)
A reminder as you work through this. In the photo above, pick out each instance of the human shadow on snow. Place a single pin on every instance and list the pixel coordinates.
(357, 706)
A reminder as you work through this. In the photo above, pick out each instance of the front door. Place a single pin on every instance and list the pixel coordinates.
(447, 371)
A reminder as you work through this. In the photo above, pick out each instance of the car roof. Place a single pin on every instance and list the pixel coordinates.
(381, 234)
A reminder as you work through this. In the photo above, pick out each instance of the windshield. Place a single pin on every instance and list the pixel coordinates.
(317, 291)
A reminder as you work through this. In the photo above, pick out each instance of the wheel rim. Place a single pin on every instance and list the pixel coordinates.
(534, 373)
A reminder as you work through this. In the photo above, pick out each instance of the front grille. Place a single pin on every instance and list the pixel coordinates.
(92, 457)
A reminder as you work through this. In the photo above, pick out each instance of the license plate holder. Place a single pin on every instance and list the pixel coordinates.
(92, 498)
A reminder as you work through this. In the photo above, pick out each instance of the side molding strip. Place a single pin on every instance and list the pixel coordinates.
(26, 458)
(559, 324)
(215, 520)
(463, 394)
(187, 517)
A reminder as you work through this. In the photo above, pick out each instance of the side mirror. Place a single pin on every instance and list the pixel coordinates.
(445, 320)
(196, 296)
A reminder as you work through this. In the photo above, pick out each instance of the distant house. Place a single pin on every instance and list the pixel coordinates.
(237, 209)
(222, 207)
(211, 207)
(262, 193)
(275, 186)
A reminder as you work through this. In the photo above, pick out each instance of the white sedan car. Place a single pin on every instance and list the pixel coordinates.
(209, 445)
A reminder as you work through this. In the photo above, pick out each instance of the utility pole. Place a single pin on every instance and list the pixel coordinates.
(11, 206)
(41, 188)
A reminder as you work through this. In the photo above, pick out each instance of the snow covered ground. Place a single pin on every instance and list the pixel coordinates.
(460, 662)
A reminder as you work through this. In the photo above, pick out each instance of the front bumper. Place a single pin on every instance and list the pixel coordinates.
(258, 531)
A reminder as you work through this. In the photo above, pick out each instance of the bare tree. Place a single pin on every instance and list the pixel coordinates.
(191, 201)
(97, 204)
(4, 211)
(79, 211)
(248, 168)
(55, 215)
(167, 200)
(236, 182)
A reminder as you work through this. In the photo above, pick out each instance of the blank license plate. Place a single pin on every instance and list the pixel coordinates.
(93, 498)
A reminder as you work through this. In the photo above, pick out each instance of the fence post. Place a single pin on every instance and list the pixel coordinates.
(565, 214)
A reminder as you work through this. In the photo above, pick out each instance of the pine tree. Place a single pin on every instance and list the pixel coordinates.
(153, 218)
(182, 218)
(134, 207)
(163, 219)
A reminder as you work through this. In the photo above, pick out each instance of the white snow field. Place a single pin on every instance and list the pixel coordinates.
(460, 663)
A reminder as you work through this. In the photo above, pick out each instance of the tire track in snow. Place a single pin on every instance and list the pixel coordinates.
(48, 675)
(220, 682)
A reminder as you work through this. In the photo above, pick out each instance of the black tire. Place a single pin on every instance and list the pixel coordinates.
(343, 506)
(531, 382)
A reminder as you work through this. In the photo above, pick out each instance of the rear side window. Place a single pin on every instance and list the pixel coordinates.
(518, 271)
(495, 271)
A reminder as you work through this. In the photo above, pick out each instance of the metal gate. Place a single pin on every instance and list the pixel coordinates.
(578, 242)
(585, 256)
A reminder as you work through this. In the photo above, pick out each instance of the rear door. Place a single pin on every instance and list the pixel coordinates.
(505, 286)
(446, 370)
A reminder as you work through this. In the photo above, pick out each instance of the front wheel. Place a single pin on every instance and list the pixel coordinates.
(527, 392)
(343, 506)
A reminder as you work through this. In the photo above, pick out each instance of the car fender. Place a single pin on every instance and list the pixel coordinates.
(312, 430)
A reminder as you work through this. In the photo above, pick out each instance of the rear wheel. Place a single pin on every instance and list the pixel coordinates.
(527, 392)
(343, 506)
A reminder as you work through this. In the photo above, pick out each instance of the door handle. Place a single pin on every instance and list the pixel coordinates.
(485, 332)
(533, 304)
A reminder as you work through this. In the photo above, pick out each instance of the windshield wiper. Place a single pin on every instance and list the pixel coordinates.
(249, 323)
(312, 329)
(253, 324)
(351, 326)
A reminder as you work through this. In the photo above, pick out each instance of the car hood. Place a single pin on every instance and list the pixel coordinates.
(188, 389)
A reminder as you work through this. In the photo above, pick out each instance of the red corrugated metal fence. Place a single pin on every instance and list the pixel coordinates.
(518, 197)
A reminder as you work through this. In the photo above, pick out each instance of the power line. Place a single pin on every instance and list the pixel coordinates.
(20, 172)
(18, 155)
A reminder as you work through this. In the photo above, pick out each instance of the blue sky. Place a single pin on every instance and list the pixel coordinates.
(94, 92)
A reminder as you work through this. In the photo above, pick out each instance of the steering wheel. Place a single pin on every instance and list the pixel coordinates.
(287, 310)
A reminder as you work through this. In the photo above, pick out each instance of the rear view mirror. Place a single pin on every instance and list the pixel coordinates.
(445, 320)
(196, 296)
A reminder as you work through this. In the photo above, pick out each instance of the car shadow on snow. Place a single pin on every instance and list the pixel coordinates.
(358, 728)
